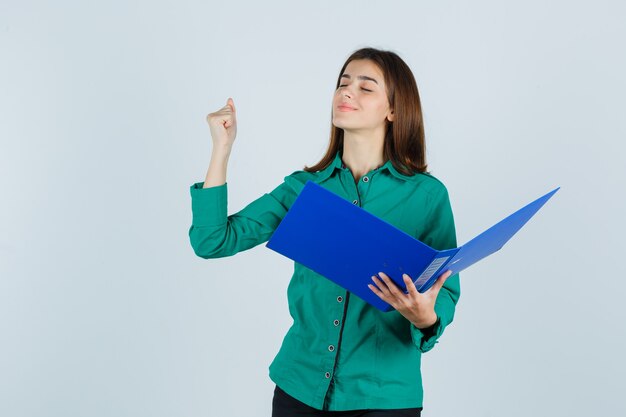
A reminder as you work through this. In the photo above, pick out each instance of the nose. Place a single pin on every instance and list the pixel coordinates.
(346, 91)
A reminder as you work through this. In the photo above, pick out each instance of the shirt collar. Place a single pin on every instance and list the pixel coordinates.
(337, 163)
(389, 166)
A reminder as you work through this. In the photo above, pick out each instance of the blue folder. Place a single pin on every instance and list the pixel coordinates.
(335, 238)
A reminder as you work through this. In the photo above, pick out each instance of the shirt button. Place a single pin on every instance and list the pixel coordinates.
(331, 348)
(336, 322)
(339, 299)
(327, 374)
(355, 202)
(365, 179)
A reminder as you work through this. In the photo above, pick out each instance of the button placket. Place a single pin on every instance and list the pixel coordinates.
(362, 187)
(336, 322)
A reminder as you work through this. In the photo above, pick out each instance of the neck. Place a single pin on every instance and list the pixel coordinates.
(362, 152)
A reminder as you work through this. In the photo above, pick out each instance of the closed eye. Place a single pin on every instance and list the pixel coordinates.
(364, 89)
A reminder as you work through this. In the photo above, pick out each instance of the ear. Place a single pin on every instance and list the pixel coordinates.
(390, 116)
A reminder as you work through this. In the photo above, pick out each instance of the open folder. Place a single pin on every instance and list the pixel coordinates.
(347, 244)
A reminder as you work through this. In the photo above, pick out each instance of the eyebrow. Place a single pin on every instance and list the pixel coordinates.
(360, 77)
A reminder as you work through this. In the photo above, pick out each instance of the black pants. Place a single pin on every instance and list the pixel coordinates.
(284, 405)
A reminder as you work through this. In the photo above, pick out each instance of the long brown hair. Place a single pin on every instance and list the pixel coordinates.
(405, 144)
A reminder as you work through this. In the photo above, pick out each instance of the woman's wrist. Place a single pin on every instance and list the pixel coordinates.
(428, 323)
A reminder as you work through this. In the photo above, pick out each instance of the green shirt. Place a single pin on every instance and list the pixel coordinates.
(341, 353)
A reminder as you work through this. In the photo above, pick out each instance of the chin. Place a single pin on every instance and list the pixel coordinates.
(341, 124)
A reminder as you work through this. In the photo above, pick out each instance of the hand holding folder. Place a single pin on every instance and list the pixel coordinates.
(418, 308)
(318, 213)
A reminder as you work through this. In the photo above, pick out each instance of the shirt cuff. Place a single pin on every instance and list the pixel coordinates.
(425, 339)
(209, 206)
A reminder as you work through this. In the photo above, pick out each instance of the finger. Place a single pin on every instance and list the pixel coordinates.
(226, 110)
(381, 286)
(219, 119)
(227, 121)
(222, 114)
(393, 288)
(230, 103)
(410, 286)
(378, 292)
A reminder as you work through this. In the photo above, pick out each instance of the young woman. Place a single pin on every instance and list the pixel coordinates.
(341, 356)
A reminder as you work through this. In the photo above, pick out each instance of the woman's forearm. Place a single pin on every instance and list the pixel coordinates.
(216, 174)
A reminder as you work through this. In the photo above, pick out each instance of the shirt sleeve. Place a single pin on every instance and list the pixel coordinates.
(440, 234)
(214, 234)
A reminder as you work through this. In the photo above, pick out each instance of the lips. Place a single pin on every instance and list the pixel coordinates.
(345, 107)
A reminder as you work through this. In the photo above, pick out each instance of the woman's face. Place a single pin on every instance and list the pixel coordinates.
(360, 103)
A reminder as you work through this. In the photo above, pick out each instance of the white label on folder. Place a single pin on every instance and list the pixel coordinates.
(432, 268)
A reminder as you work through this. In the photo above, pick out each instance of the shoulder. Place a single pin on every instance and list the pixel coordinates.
(297, 179)
(428, 184)
(287, 191)
(303, 176)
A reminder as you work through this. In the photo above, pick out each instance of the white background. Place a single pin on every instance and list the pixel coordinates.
(106, 311)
